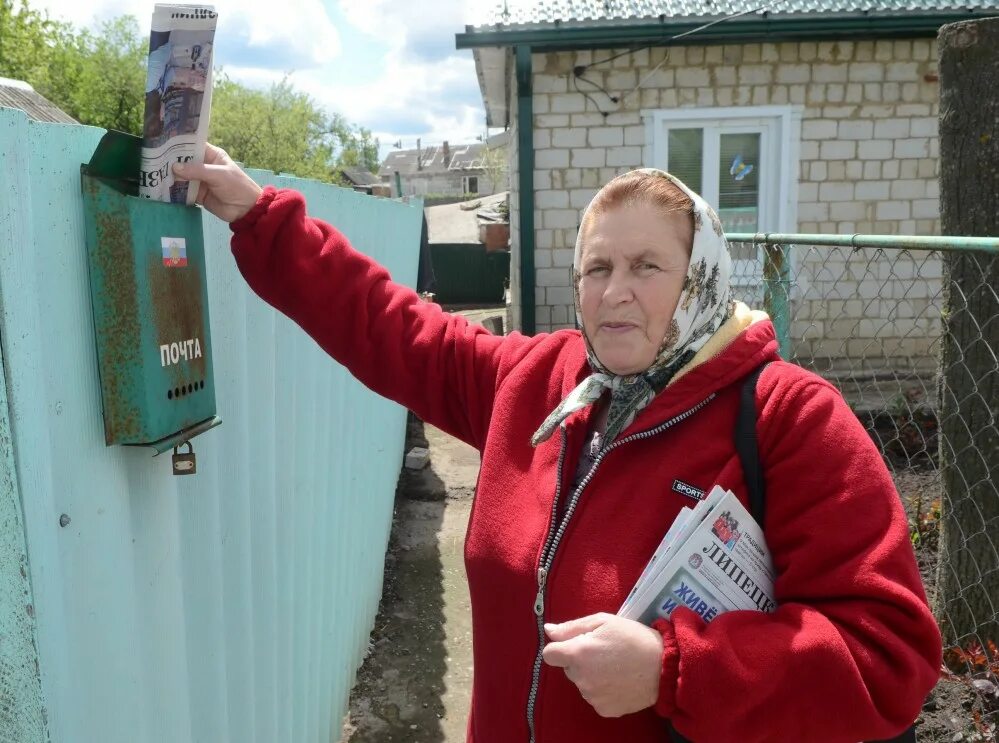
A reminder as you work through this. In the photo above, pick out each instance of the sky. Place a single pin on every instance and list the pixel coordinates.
(388, 65)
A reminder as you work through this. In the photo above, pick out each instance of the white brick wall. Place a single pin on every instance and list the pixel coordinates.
(868, 161)
(569, 137)
(606, 136)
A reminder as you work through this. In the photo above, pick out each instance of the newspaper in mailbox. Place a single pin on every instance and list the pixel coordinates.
(713, 559)
(178, 98)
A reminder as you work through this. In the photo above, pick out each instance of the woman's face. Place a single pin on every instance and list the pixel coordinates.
(632, 266)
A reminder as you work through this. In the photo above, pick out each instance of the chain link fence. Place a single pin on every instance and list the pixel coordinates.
(908, 330)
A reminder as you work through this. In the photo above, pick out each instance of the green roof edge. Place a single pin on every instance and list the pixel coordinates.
(813, 28)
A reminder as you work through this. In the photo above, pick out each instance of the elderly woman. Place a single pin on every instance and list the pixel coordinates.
(582, 436)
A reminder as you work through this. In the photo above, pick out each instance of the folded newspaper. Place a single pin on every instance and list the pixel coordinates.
(713, 559)
(178, 98)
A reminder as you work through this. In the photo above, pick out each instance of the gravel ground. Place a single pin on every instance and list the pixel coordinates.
(954, 710)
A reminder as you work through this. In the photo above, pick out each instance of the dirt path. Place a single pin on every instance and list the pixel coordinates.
(416, 682)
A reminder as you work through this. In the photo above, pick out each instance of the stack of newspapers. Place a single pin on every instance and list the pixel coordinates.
(713, 559)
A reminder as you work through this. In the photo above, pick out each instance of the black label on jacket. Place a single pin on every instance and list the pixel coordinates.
(679, 486)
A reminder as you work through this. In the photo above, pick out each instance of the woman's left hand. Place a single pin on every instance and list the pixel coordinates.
(614, 662)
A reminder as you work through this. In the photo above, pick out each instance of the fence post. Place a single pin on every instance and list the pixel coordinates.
(968, 580)
(777, 293)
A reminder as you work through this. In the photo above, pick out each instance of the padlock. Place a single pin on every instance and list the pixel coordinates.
(185, 464)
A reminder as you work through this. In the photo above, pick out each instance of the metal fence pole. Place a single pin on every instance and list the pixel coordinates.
(777, 292)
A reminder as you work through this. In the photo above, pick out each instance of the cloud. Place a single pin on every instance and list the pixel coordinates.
(414, 30)
(95, 11)
(254, 77)
(434, 100)
(426, 87)
(388, 65)
(290, 34)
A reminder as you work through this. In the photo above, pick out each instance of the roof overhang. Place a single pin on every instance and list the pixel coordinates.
(492, 66)
(491, 45)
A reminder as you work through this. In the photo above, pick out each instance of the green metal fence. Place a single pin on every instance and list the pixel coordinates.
(908, 329)
(468, 273)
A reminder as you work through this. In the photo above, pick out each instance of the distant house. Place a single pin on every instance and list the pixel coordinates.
(19, 94)
(450, 170)
(832, 103)
(364, 181)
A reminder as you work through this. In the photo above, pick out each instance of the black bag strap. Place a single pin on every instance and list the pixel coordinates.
(745, 445)
(749, 456)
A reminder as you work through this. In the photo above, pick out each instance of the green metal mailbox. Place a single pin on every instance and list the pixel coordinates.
(150, 302)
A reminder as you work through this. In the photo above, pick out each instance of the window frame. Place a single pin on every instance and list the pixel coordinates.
(780, 129)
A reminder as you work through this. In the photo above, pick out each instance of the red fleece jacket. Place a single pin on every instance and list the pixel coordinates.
(852, 649)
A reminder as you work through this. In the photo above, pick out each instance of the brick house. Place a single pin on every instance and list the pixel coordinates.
(448, 170)
(833, 104)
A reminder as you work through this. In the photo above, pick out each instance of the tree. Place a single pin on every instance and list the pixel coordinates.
(494, 167)
(355, 146)
(277, 129)
(284, 130)
(95, 77)
(102, 76)
(968, 575)
(29, 41)
(99, 78)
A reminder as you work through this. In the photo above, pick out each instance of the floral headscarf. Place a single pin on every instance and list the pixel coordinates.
(705, 304)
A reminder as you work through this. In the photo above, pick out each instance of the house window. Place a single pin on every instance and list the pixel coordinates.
(470, 183)
(743, 161)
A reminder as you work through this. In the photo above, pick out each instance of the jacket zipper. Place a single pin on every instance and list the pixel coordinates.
(557, 529)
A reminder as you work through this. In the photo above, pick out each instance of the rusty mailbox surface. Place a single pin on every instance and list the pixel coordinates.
(150, 302)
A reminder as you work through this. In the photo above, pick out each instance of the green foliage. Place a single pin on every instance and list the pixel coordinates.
(98, 77)
(277, 129)
(357, 147)
(924, 527)
(284, 130)
(29, 41)
(103, 76)
(494, 167)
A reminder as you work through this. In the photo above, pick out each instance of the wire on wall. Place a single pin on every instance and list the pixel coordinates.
(578, 78)
(579, 71)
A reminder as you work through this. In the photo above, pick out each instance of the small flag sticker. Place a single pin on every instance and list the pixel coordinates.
(174, 252)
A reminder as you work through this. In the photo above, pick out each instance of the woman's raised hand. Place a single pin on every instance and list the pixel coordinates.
(224, 189)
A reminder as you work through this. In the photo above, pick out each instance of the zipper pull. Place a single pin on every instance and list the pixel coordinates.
(539, 601)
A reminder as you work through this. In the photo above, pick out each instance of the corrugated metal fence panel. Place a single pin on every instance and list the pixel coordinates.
(233, 605)
(21, 706)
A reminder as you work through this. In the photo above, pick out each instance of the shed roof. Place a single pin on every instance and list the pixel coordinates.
(19, 94)
(360, 177)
